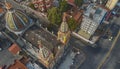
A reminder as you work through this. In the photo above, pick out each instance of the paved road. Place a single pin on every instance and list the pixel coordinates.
(117, 21)
(113, 61)
(93, 55)
(109, 52)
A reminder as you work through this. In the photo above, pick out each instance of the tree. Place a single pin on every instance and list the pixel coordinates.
(31, 5)
(72, 24)
(54, 16)
(63, 6)
(79, 2)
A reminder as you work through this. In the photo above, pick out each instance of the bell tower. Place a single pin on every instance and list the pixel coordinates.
(64, 32)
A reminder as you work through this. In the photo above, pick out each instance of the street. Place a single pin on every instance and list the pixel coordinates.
(113, 61)
(94, 56)
(109, 52)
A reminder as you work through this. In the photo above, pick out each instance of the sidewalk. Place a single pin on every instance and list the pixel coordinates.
(73, 60)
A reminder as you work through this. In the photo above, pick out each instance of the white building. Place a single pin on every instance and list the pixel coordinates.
(87, 28)
(88, 25)
(93, 17)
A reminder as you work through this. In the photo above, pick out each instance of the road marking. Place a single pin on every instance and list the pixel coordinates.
(109, 52)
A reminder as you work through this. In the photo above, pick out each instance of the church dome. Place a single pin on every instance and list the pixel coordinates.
(64, 27)
(16, 20)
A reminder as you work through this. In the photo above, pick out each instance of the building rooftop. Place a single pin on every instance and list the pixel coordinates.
(96, 12)
(7, 58)
(34, 65)
(78, 15)
(84, 34)
(17, 65)
(14, 48)
(1, 9)
(36, 34)
(71, 2)
(16, 20)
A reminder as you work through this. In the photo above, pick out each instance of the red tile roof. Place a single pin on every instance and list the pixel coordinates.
(17, 65)
(1, 9)
(14, 48)
(71, 2)
(77, 15)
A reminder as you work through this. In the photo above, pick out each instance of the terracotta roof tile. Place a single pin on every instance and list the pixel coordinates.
(78, 15)
(17, 65)
(1, 9)
(14, 48)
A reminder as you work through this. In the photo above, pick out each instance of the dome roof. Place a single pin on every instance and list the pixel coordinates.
(64, 27)
(16, 20)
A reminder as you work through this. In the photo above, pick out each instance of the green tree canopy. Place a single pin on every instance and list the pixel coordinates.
(72, 24)
(54, 16)
(31, 5)
(79, 2)
(63, 6)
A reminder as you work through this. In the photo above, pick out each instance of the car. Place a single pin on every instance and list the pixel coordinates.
(114, 29)
(111, 38)
(0, 49)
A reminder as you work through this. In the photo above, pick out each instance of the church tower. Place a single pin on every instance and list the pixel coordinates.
(64, 32)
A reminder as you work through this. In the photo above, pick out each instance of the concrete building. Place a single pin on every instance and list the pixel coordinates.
(17, 65)
(111, 4)
(87, 27)
(93, 17)
(10, 58)
(96, 12)
(2, 11)
(42, 5)
(15, 49)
